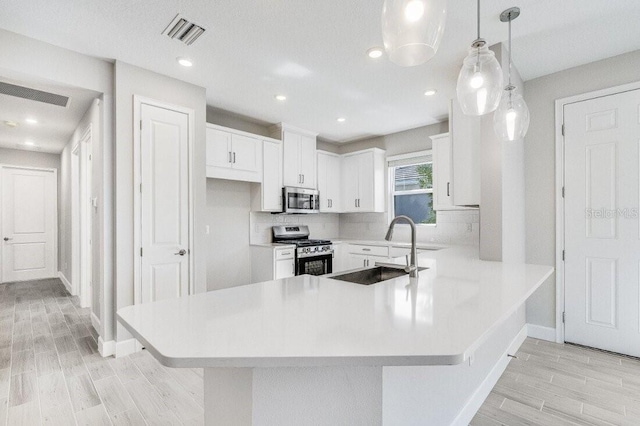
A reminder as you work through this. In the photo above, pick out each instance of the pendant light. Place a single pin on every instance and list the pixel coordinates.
(511, 120)
(480, 79)
(412, 30)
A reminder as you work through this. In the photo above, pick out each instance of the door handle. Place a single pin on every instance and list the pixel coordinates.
(181, 253)
(7, 238)
(302, 178)
(230, 156)
(234, 158)
(356, 202)
(448, 185)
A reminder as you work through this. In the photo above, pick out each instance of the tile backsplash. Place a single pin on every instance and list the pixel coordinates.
(459, 227)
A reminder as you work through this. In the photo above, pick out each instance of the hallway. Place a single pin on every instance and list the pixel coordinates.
(51, 372)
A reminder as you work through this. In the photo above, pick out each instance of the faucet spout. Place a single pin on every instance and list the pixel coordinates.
(412, 266)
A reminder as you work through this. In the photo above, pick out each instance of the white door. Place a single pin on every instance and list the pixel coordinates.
(164, 204)
(246, 153)
(602, 236)
(219, 148)
(29, 206)
(291, 159)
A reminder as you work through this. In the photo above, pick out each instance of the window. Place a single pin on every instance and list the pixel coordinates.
(411, 184)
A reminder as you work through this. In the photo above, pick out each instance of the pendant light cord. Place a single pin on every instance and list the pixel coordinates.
(478, 17)
(510, 50)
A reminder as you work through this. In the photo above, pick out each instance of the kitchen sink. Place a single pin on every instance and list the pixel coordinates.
(372, 275)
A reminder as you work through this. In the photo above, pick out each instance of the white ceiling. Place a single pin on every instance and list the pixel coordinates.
(55, 125)
(314, 51)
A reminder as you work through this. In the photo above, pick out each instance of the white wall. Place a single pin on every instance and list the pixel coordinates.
(539, 152)
(22, 56)
(324, 226)
(130, 81)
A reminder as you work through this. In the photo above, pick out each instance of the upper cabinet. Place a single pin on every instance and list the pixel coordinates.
(329, 182)
(441, 152)
(268, 196)
(465, 136)
(299, 155)
(363, 188)
(233, 154)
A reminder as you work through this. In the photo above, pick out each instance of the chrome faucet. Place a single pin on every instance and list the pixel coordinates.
(411, 268)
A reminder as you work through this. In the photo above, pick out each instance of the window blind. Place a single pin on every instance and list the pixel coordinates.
(410, 161)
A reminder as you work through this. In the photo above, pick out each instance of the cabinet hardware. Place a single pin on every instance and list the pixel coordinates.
(234, 158)
(229, 156)
(286, 254)
(512, 356)
(181, 253)
(293, 268)
(7, 238)
(366, 249)
(140, 251)
(303, 178)
(448, 186)
(563, 318)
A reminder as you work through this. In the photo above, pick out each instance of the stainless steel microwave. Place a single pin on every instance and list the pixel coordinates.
(300, 200)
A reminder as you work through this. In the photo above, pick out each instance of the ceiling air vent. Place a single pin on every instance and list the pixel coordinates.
(183, 30)
(33, 94)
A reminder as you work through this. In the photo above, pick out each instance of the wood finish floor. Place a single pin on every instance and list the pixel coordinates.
(51, 372)
(551, 384)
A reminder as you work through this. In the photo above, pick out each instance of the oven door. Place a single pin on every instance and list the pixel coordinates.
(299, 200)
(315, 265)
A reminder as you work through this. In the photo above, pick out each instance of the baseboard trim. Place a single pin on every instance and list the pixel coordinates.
(127, 347)
(479, 396)
(106, 348)
(95, 322)
(65, 281)
(542, 333)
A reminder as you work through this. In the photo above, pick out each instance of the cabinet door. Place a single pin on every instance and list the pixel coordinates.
(307, 161)
(441, 149)
(246, 153)
(291, 159)
(218, 148)
(366, 182)
(323, 182)
(334, 181)
(285, 269)
(272, 177)
(465, 133)
(350, 176)
(357, 261)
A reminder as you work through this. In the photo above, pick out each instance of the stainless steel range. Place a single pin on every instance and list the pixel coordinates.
(313, 257)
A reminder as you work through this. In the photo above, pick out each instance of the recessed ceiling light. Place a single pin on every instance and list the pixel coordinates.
(30, 143)
(341, 120)
(430, 92)
(185, 62)
(374, 52)
(280, 97)
(31, 121)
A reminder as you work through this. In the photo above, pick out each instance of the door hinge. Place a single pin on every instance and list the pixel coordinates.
(140, 251)
(563, 317)
(563, 255)
(562, 129)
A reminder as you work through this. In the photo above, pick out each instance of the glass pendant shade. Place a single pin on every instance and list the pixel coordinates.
(412, 30)
(480, 82)
(511, 120)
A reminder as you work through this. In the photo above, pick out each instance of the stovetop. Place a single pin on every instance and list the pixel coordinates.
(305, 242)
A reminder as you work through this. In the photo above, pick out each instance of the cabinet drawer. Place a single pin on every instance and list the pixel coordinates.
(282, 254)
(369, 250)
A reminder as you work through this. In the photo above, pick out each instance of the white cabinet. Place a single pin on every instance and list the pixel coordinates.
(272, 263)
(363, 182)
(233, 155)
(465, 136)
(299, 155)
(366, 256)
(441, 150)
(267, 197)
(329, 182)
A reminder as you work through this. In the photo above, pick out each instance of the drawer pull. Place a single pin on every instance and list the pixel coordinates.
(366, 249)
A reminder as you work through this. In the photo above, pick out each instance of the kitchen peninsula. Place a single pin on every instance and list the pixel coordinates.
(314, 350)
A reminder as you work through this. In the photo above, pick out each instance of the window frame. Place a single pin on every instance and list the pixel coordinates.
(391, 184)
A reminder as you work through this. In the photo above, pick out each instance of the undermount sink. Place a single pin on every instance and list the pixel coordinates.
(372, 275)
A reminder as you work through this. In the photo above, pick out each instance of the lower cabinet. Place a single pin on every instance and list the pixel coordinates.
(272, 263)
(362, 261)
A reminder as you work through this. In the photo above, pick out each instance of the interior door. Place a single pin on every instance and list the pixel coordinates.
(602, 236)
(164, 203)
(29, 203)
(246, 153)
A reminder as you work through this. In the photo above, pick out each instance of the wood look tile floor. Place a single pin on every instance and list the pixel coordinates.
(551, 384)
(51, 372)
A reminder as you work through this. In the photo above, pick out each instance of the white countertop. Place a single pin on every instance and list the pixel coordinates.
(441, 318)
(384, 243)
(273, 245)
